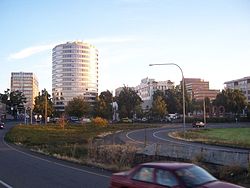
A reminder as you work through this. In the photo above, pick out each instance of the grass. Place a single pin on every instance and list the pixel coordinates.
(71, 141)
(237, 137)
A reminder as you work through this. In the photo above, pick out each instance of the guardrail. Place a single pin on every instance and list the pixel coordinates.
(189, 152)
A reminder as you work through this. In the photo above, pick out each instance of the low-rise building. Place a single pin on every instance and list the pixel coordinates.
(148, 86)
(198, 89)
(242, 84)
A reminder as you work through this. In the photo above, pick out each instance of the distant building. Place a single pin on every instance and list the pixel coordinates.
(198, 89)
(119, 89)
(27, 83)
(148, 86)
(74, 73)
(242, 84)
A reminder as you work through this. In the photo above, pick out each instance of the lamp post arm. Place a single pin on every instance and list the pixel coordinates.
(183, 91)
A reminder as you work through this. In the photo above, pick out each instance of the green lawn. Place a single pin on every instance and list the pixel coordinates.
(239, 137)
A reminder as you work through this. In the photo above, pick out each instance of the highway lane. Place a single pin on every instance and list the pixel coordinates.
(22, 168)
(160, 135)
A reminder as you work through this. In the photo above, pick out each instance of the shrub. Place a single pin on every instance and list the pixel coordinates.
(117, 155)
(100, 122)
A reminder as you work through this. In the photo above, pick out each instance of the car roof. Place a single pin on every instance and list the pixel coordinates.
(168, 165)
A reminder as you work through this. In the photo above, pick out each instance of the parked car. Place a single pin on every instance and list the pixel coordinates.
(73, 119)
(126, 120)
(159, 175)
(198, 124)
(85, 120)
(1, 125)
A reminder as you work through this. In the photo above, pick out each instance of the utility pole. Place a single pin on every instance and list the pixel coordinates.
(204, 110)
(45, 107)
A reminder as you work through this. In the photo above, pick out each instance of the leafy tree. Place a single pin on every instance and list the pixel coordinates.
(103, 106)
(174, 100)
(78, 107)
(159, 107)
(234, 101)
(198, 105)
(128, 102)
(14, 100)
(40, 103)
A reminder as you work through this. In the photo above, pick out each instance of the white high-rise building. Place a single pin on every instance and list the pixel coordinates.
(27, 83)
(74, 73)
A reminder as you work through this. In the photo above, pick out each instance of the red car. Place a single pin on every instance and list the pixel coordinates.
(159, 175)
(198, 124)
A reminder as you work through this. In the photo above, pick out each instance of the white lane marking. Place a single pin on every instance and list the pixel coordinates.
(56, 163)
(5, 184)
(127, 135)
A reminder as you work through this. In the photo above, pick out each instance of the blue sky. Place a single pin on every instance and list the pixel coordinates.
(208, 39)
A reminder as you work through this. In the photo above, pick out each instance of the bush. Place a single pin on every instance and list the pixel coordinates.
(117, 155)
(100, 122)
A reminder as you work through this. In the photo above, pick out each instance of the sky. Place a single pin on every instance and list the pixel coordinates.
(208, 39)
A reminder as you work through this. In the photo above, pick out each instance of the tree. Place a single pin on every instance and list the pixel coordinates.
(159, 107)
(103, 107)
(128, 102)
(78, 107)
(173, 100)
(233, 101)
(14, 100)
(40, 103)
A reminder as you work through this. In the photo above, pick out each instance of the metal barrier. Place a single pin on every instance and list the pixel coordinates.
(190, 152)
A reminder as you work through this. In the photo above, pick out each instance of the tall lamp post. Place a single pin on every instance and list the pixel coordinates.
(204, 109)
(183, 92)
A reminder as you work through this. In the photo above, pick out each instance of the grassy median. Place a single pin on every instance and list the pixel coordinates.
(237, 137)
(72, 141)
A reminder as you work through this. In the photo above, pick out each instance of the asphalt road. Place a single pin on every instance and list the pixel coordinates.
(21, 168)
(160, 135)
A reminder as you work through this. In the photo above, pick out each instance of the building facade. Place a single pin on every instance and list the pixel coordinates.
(74, 73)
(148, 86)
(198, 89)
(27, 83)
(242, 84)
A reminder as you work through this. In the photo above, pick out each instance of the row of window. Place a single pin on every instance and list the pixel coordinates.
(74, 70)
(22, 73)
(75, 51)
(75, 65)
(75, 56)
(78, 74)
(75, 46)
(22, 78)
(75, 60)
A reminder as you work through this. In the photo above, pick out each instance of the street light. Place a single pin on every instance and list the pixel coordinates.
(183, 92)
(204, 110)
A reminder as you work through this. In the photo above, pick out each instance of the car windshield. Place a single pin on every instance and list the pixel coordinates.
(193, 176)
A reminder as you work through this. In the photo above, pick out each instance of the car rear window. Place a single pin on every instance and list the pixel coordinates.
(144, 174)
(193, 176)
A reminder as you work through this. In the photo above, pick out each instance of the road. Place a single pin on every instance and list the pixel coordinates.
(22, 168)
(160, 135)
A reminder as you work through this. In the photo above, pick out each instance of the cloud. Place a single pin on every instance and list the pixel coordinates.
(111, 40)
(27, 52)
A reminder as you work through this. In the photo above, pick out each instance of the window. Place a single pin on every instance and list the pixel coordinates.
(144, 174)
(166, 178)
